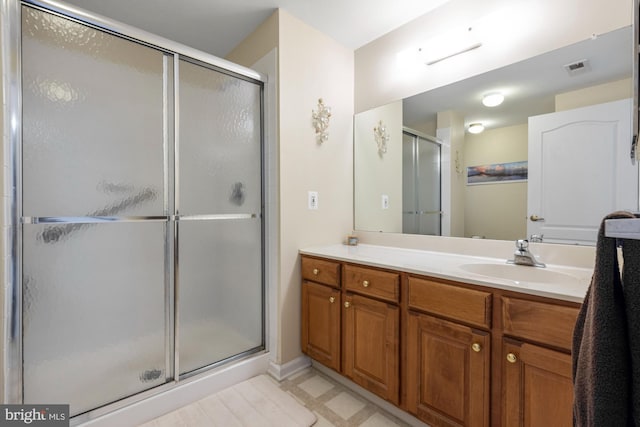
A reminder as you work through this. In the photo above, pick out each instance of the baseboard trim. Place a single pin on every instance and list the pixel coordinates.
(281, 372)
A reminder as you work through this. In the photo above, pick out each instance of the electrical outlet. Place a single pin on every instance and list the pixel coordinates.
(385, 201)
(313, 200)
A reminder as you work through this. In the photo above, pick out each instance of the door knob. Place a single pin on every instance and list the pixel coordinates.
(476, 347)
(332, 300)
(511, 358)
(347, 304)
(536, 218)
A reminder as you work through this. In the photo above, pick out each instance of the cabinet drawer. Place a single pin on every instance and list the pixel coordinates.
(375, 283)
(467, 305)
(539, 321)
(321, 271)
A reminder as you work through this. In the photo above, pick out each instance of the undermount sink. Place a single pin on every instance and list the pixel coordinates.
(520, 273)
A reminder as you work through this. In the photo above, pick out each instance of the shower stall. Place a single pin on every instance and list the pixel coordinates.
(135, 225)
(421, 184)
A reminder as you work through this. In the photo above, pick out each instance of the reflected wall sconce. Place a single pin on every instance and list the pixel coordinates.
(381, 136)
(492, 99)
(475, 128)
(320, 121)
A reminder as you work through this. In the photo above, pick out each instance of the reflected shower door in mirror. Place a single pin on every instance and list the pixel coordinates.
(592, 72)
(420, 184)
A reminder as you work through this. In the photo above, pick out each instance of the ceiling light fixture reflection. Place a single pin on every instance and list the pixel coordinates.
(475, 128)
(492, 99)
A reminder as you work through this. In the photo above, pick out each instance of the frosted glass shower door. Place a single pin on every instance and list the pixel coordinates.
(410, 218)
(428, 188)
(94, 215)
(421, 201)
(219, 206)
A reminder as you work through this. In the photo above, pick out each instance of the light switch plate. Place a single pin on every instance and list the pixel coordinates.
(385, 201)
(313, 200)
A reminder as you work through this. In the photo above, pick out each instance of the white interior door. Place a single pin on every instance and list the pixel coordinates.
(579, 171)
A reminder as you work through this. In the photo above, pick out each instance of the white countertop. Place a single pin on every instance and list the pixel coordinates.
(563, 282)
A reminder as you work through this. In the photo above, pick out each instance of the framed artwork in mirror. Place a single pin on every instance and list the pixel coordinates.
(497, 173)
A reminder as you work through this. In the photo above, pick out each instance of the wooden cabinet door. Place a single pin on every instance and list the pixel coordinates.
(321, 323)
(538, 390)
(371, 345)
(448, 372)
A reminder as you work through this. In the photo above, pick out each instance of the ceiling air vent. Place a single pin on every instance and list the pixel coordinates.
(578, 67)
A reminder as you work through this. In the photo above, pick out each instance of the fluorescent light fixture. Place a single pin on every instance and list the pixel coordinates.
(448, 45)
(475, 128)
(492, 99)
(435, 60)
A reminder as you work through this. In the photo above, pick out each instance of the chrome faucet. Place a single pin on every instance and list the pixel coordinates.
(522, 256)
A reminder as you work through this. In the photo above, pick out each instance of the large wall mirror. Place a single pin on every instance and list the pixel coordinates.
(535, 170)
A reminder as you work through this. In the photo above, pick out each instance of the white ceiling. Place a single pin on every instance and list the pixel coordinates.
(217, 26)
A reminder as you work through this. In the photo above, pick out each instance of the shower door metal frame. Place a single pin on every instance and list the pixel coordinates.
(10, 17)
(416, 160)
(178, 217)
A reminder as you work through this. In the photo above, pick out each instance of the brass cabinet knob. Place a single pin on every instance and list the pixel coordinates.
(315, 271)
(347, 304)
(476, 347)
(511, 358)
(332, 300)
(365, 283)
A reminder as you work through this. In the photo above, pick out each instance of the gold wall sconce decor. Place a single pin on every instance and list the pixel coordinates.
(320, 120)
(381, 136)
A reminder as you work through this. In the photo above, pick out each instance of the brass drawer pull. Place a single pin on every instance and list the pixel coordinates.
(332, 300)
(511, 358)
(315, 271)
(365, 283)
(347, 304)
(476, 347)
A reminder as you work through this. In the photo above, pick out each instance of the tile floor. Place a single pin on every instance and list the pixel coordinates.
(332, 403)
(335, 405)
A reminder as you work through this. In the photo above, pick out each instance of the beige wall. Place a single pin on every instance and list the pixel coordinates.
(258, 43)
(425, 127)
(607, 92)
(375, 174)
(499, 210)
(510, 30)
(311, 66)
(451, 132)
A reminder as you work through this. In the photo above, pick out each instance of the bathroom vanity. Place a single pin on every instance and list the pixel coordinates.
(454, 340)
